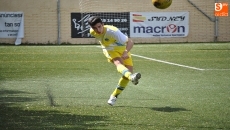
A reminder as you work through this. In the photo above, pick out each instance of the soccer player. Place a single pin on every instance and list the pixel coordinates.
(116, 47)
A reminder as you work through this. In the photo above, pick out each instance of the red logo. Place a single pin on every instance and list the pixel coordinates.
(221, 9)
(138, 18)
(171, 28)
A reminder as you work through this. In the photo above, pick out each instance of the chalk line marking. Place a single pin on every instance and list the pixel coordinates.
(175, 64)
(219, 69)
(166, 62)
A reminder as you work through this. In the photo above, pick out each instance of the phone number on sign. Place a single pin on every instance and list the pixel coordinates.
(114, 20)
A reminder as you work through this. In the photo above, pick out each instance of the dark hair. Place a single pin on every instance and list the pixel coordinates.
(94, 20)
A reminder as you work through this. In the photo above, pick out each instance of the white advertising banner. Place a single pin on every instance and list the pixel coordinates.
(12, 25)
(159, 24)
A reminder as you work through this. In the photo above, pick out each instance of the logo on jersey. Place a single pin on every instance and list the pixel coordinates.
(106, 39)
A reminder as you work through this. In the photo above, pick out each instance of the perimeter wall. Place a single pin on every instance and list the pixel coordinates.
(41, 19)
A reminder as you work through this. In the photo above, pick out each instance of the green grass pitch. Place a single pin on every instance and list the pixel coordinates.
(183, 87)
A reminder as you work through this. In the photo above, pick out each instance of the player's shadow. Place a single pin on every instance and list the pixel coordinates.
(15, 117)
(169, 109)
(161, 109)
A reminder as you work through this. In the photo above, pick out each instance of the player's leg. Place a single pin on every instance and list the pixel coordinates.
(118, 62)
(115, 58)
(123, 82)
(126, 71)
(125, 67)
(134, 78)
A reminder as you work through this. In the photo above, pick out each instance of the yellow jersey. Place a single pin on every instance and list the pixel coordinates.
(111, 39)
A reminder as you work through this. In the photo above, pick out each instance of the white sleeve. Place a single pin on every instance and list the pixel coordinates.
(120, 37)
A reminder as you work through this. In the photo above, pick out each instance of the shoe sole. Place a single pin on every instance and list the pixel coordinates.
(110, 104)
(138, 76)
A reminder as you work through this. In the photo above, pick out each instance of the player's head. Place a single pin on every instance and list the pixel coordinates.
(96, 24)
(94, 20)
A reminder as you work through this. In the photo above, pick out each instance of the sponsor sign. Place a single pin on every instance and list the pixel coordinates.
(10, 23)
(80, 27)
(163, 24)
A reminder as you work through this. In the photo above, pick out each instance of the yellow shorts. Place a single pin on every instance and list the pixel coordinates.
(110, 55)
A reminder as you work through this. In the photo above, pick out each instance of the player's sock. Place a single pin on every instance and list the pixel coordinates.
(124, 71)
(123, 82)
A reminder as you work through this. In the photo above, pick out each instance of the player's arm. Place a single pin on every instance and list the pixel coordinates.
(129, 46)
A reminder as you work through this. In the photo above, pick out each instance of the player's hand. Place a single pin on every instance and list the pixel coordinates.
(125, 55)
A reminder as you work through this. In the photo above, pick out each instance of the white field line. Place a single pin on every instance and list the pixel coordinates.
(170, 63)
(166, 62)
(219, 69)
(78, 46)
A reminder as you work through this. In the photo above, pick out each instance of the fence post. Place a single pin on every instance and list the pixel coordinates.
(58, 22)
